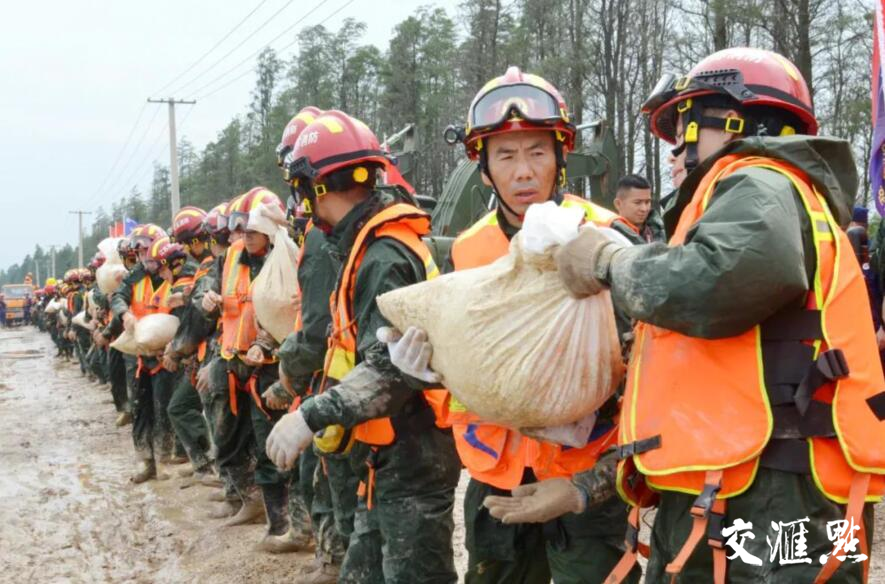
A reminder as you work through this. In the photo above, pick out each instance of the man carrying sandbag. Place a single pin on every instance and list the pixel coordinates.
(408, 465)
(755, 365)
(519, 131)
(144, 292)
(180, 263)
(245, 368)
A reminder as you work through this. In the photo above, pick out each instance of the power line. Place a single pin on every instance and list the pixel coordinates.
(240, 44)
(215, 46)
(144, 160)
(250, 57)
(114, 184)
(120, 153)
(173, 148)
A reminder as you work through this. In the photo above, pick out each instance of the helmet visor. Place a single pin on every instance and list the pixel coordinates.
(140, 242)
(237, 221)
(525, 101)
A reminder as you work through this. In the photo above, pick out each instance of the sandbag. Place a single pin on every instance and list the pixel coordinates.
(52, 307)
(154, 331)
(510, 342)
(109, 277)
(80, 320)
(125, 343)
(108, 247)
(274, 287)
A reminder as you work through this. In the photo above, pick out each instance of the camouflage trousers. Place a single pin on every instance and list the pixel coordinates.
(116, 374)
(186, 415)
(572, 549)
(333, 506)
(149, 395)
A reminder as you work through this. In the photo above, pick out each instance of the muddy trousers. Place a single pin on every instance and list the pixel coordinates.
(573, 549)
(98, 363)
(82, 342)
(152, 432)
(116, 374)
(406, 540)
(301, 494)
(186, 415)
(333, 506)
(775, 497)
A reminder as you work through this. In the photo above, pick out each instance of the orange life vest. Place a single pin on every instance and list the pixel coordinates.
(699, 433)
(145, 300)
(405, 224)
(494, 454)
(239, 327)
(204, 268)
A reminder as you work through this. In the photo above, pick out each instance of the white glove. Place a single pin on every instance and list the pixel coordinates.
(410, 352)
(574, 434)
(289, 437)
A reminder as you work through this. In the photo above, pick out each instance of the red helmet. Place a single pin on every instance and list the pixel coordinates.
(165, 252)
(516, 101)
(215, 223)
(238, 210)
(188, 224)
(98, 260)
(50, 289)
(334, 141)
(86, 275)
(144, 235)
(71, 276)
(293, 129)
(745, 76)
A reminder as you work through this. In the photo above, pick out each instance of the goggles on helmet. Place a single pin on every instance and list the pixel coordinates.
(282, 152)
(725, 81)
(237, 221)
(140, 242)
(527, 102)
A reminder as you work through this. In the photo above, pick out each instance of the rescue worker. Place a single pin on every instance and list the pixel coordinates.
(144, 292)
(754, 336)
(245, 367)
(407, 463)
(181, 265)
(519, 131)
(634, 204)
(328, 488)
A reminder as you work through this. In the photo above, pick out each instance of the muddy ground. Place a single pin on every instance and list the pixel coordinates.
(69, 514)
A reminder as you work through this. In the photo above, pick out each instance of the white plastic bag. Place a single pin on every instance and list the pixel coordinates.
(274, 287)
(108, 247)
(52, 307)
(80, 320)
(511, 344)
(266, 219)
(154, 331)
(109, 277)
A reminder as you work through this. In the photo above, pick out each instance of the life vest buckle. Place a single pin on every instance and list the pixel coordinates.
(715, 524)
(832, 364)
(638, 447)
(632, 538)
(704, 503)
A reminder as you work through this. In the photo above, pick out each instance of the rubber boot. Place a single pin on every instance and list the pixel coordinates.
(217, 495)
(123, 419)
(224, 510)
(210, 479)
(276, 507)
(147, 472)
(252, 511)
(325, 574)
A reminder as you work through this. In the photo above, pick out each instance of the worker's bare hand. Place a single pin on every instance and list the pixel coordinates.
(211, 300)
(175, 300)
(129, 321)
(254, 356)
(203, 379)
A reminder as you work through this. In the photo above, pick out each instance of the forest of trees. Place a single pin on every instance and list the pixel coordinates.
(604, 55)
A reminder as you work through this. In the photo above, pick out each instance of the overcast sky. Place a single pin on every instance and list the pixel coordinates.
(76, 76)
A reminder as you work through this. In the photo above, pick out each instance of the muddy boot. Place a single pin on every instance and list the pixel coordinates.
(217, 496)
(176, 459)
(148, 471)
(251, 512)
(276, 507)
(291, 541)
(211, 480)
(123, 419)
(313, 566)
(224, 510)
(325, 574)
(186, 472)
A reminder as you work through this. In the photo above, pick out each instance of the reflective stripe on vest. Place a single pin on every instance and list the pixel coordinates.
(238, 325)
(146, 301)
(707, 385)
(494, 454)
(406, 224)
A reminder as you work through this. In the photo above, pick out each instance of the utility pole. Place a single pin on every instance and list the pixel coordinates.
(37, 273)
(173, 148)
(80, 247)
(52, 255)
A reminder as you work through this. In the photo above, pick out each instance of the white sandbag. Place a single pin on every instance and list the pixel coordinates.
(154, 331)
(125, 343)
(63, 318)
(108, 247)
(109, 277)
(266, 219)
(274, 287)
(509, 341)
(80, 320)
(52, 307)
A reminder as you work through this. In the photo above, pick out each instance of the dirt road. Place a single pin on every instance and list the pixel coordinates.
(69, 514)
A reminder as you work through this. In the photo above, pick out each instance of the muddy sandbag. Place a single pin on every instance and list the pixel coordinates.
(109, 277)
(274, 287)
(53, 306)
(125, 343)
(80, 320)
(154, 331)
(510, 342)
